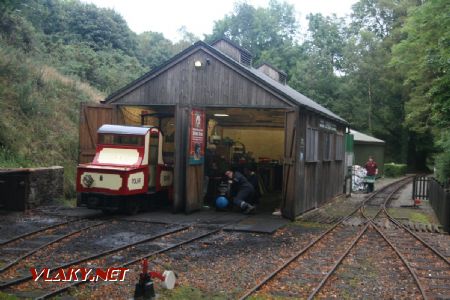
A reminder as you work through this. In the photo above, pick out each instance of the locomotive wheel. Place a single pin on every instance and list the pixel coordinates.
(108, 211)
(132, 207)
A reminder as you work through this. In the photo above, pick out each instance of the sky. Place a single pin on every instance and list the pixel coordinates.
(198, 16)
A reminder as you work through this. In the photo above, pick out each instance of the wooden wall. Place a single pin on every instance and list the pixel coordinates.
(323, 179)
(214, 84)
(218, 84)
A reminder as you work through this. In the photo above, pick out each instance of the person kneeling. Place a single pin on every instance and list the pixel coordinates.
(241, 190)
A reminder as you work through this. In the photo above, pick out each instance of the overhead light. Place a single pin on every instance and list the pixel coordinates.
(221, 115)
(198, 64)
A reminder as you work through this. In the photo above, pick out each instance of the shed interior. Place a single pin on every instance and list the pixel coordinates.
(243, 139)
(250, 141)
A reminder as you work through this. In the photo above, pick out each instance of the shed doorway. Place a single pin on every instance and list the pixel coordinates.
(250, 141)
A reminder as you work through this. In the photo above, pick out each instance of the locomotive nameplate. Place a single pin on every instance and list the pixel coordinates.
(136, 181)
(166, 178)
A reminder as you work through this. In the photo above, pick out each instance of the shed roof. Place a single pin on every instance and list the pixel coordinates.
(281, 89)
(364, 138)
(121, 129)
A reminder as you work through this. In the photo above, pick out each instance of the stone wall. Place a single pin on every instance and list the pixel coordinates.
(22, 189)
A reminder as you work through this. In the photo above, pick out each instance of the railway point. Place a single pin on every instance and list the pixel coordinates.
(264, 160)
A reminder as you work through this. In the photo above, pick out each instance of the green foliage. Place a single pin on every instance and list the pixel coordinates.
(258, 29)
(442, 159)
(424, 57)
(82, 40)
(387, 72)
(394, 170)
(154, 49)
(4, 296)
(38, 115)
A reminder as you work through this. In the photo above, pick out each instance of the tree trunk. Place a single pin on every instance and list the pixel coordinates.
(369, 92)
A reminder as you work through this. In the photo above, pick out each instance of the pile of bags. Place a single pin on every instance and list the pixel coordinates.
(358, 175)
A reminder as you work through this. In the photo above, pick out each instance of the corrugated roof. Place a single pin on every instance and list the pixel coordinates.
(362, 137)
(121, 129)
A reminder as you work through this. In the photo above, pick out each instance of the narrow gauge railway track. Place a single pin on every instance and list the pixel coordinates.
(31, 243)
(332, 246)
(20, 279)
(119, 257)
(34, 232)
(429, 266)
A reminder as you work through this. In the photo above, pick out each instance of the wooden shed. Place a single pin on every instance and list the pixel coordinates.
(365, 145)
(252, 107)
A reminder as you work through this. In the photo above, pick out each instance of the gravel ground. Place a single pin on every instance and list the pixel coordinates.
(15, 224)
(227, 264)
(223, 265)
(86, 243)
(372, 270)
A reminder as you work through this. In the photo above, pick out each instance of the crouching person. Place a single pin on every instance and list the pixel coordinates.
(242, 191)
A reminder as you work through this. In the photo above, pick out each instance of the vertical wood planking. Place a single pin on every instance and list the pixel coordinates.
(92, 116)
(181, 123)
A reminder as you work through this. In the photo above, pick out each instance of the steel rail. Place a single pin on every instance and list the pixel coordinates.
(433, 249)
(17, 260)
(36, 232)
(94, 256)
(132, 261)
(27, 234)
(401, 184)
(338, 262)
(295, 256)
(320, 237)
(405, 262)
(370, 220)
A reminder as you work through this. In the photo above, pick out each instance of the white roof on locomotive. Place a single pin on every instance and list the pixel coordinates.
(122, 129)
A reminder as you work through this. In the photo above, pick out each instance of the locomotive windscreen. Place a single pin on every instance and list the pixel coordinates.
(120, 139)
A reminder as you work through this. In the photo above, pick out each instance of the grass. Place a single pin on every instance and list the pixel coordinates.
(306, 224)
(39, 112)
(4, 296)
(411, 214)
(419, 218)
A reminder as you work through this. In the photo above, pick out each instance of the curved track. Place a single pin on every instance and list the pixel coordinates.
(28, 244)
(331, 247)
(122, 256)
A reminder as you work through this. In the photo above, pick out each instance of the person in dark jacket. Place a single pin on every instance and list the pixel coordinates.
(253, 179)
(241, 190)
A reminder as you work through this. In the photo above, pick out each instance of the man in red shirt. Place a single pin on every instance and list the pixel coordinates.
(372, 171)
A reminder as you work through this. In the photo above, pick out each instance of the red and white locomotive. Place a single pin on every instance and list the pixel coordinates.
(128, 169)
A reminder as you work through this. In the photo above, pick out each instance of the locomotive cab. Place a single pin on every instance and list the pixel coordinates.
(127, 171)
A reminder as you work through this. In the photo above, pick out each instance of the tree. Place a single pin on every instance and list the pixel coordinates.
(153, 49)
(258, 29)
(423, 56)
(315, 73)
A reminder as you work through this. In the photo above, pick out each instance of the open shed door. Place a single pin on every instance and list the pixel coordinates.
(190, 136)
(195, 159)
(92, 116)
(289, 207)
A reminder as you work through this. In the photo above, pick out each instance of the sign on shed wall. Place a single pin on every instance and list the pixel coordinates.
(197, 137)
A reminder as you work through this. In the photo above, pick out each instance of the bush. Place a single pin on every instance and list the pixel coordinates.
(394, 170)
(442, 160)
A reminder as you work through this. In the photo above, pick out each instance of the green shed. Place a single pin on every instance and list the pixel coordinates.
(365, 146)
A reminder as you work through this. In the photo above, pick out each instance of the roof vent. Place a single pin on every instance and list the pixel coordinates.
(234, 51)
(272, 72)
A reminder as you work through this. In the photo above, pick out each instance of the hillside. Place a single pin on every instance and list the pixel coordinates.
(39, 110)
(53, 56)
(380, 72)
